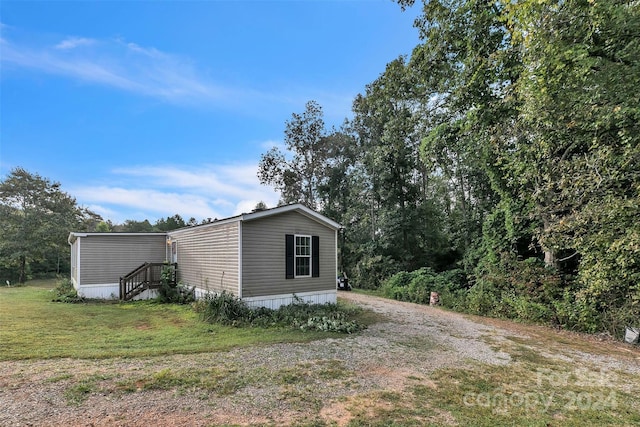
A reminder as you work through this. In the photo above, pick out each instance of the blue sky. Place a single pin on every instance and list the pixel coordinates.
(145, 109)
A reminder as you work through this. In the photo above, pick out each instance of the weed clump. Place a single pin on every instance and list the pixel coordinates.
(65, 292)
(227, 309)
(172, 293)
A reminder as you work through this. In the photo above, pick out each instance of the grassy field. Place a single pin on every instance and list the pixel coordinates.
(33, 327)
(555, 378)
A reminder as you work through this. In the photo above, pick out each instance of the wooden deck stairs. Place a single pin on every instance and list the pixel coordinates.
(147, 276)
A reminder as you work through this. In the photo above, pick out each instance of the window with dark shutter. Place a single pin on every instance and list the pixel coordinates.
(302, 256)
(315, 256)
(289, 256)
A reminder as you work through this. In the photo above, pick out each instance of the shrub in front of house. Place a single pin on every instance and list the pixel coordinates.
(65, 292)
(227, 309)
(223, 308)
(170, 293)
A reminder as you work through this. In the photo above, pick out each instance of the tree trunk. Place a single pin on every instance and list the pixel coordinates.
(23, 269)
(550, 259)
(465, 207)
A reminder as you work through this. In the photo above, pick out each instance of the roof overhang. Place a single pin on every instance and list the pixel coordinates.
(74, 235)
(300, 208)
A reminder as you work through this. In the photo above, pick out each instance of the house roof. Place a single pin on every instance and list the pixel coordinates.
(257, 214)
(300, 208)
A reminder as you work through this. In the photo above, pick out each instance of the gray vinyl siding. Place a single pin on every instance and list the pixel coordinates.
(263, 255)
(105, 258)
(208, 257)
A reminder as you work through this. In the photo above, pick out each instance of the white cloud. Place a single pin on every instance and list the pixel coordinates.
(222, 181)
(82, 69)
(151, 72)
(245, 206)
(73, 42)
(129, 67)
(241, 174)
(151, 201)
(104, 212)
(269, 144)
(152, 192)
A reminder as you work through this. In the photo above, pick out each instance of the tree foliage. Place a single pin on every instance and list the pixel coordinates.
(36, 217)
(581, 105)
(506, 145)
(297, 172)
(169, 223)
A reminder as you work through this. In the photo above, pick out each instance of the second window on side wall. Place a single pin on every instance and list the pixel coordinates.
(303, 256)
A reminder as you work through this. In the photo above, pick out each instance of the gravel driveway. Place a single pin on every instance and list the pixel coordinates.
(277, 383)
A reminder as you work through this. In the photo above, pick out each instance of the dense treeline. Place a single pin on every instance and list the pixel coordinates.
(498, 163)
(163, 224)
(36, 217)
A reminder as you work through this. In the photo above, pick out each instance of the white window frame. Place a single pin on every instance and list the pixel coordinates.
(174, 252)
(296, 256)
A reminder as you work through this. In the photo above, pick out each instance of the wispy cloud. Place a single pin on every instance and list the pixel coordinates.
(151, 192)
(151, 72)
(126, 66)
(236, 181)
(271, 143)
(151, 203)
(103, 211)
(74, 42)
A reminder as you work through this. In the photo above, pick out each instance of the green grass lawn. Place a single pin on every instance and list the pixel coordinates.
(33, 327)
(535, 389)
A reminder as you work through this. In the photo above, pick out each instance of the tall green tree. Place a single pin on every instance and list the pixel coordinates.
(464, 73)
(339, 192)
(36, 217)
(103, 227)
(297, 172)
(169, 223)
(405, 226)
(540, 99)
(133, 226)
(581, 110)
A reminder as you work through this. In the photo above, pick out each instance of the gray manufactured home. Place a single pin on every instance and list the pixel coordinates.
(98, 260)
(264, 257)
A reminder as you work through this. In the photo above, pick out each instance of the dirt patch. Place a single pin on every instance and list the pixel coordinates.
(336, 413)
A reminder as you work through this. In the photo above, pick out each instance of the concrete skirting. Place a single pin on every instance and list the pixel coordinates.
(109, 291)
(276, 301)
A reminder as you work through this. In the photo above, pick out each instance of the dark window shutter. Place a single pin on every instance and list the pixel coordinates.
(290, 261)
(315, 256)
